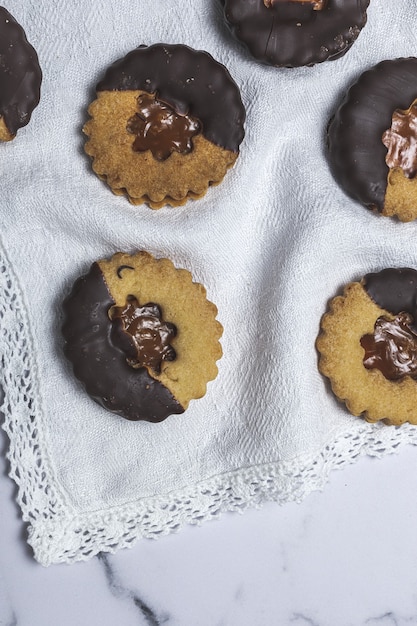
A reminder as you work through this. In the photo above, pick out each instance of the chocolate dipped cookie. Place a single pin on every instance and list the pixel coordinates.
(372, 139)
(167, 123)
(141, 336)
(20, 77)
(291, 33)
(368, 346)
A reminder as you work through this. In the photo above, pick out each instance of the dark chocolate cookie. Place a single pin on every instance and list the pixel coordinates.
(368, 346)
(20, 77)
(167, 123)
(372, 139)
(291, 33)
(141, 336)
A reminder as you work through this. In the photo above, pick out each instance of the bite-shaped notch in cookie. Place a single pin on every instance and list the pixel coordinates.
(20, 77)
(167, 123)
(368, 346)
(292, 33)
(141, 336)
(372, 139)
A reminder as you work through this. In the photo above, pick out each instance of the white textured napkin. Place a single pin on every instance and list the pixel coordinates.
(272, 244)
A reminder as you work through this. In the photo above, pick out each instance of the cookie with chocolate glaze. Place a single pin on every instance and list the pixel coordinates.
(167, 123)
(20, 77)
(292, 33)
(141, 336)
(368, 346)
(372, 139)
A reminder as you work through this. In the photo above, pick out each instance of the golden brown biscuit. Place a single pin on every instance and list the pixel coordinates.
(141, 336)
(5, 134)
(368, 346)
(167, 123)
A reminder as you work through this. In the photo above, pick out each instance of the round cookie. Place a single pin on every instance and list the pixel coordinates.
(368, 346)
(372, 139)
(20, 77)
(141, 336)
(291, 33)
(167, 123)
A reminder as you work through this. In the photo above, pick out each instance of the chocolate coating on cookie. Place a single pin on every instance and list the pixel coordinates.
(292, 34)
(394, 290)
(100, 364)
(190, 81)
(20, 74)
(356, 150)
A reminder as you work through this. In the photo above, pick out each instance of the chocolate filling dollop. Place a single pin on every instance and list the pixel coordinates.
(317, 5)
(160, 129)
(392, 348)
(148, 336)
(401, 141)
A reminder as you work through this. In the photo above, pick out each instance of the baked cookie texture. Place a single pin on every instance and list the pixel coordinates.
(372, 139)
(141, 336)
(166, 124)
(20, 77)
(292, 33)
(368, 346)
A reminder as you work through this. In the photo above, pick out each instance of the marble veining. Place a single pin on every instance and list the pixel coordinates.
(391, 619)
(122, 592)
(302, 620)
(13, 621)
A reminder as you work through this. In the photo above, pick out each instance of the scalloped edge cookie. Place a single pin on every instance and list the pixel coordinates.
(364, 391)
(102, 364)
(191, 85)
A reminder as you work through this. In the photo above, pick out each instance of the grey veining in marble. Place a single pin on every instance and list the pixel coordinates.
(11, 620)
(391, 619)
(302, 620)
(120, 591)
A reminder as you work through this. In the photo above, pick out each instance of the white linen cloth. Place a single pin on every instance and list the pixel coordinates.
(272, 244)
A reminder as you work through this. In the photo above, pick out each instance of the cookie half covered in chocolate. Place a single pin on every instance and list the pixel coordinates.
(372, 139)
(291, 33)
(141, 336)
(368, 346)
(20, 77)
(167, 123)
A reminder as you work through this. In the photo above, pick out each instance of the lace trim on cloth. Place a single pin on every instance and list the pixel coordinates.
(58, 534)
(21, 406)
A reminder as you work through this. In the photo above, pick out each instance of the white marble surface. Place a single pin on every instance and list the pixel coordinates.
(346, 556)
